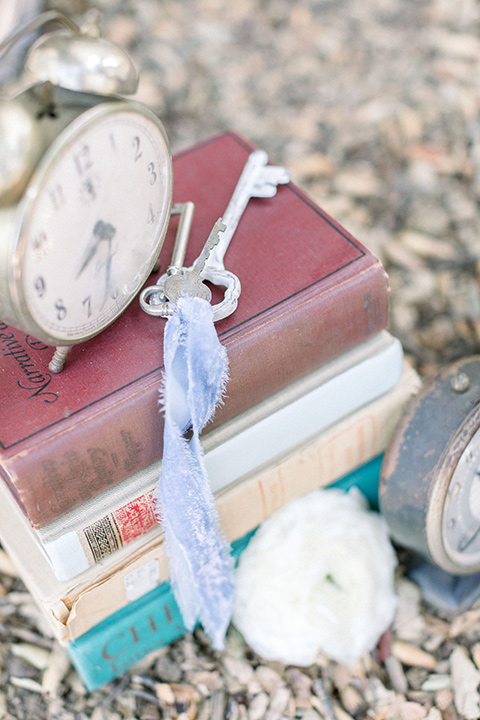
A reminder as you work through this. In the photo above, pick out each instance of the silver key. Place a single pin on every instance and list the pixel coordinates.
(189, 282)
(257, 180)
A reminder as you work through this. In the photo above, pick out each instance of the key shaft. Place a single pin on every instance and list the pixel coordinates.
(256, 180)
(189, 283)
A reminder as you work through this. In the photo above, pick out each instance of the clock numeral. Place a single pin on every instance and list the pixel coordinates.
(40, 244)
(40, 287)
(87, 304)
(88, 190)
(61, 310)
(136, 146)
(112, 142)
(152, 173)
(83, 160)
(57, 197)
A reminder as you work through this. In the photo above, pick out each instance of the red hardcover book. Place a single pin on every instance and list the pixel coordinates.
(310, 291)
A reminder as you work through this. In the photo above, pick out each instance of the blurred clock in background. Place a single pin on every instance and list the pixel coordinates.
(13, 13)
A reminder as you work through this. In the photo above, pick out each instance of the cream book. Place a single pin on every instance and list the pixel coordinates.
(236, 448)
(75, 606)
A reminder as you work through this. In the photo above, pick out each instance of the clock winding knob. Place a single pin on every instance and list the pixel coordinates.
(81, 63)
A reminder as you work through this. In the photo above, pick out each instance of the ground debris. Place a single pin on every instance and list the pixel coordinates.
(374, 106)
(465, 681)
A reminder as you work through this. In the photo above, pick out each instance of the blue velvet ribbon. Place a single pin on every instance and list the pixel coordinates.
(201, 568)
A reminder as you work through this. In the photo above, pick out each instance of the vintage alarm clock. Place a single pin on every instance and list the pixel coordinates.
(85, 187)
(430, 478)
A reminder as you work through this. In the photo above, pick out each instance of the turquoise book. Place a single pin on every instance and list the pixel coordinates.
(114, 645)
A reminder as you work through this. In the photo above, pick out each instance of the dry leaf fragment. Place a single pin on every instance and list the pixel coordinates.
(412, 655)
(258, 706)
(434, 714)
(340, 713)
(312, 166)
(426, 246)
(409, 623)
(280, 701)
(411, 711)
(396, 674)
(301, 685)
(436, 682)
(466, 679)
(164, 693)
(36, 656)
(269, 678)
(238, 669)
(463, 622)
(310, 714)
(58, 666)
(26, 684)
(475, 650)
(443, 699)
(352, 700)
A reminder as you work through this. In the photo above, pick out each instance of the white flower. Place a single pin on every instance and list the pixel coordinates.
(317, 577)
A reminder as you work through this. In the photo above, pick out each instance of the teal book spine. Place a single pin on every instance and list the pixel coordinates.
(366, 479)
(110, 648)
(114, 645)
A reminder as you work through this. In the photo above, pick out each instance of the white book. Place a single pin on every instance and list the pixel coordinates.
(241, 446)
(74, 606)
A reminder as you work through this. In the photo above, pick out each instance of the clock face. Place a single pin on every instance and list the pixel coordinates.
(429, 491)
(461, 510)
(94, 221)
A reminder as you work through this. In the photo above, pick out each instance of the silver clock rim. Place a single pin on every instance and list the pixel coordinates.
(434, 529)
(61, 144)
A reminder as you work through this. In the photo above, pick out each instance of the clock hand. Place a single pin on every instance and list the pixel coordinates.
(102, 231)
(463, 544)
(108, 267)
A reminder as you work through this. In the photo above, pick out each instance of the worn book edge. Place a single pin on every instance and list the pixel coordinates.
(339, 297)
(249, 442)
(335, 452)
(153, 620)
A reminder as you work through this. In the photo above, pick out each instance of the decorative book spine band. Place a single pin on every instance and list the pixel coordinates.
(118, 528)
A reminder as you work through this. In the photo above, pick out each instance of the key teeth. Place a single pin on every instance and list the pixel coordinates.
(218, 227)
(264, 190)
(267, 184)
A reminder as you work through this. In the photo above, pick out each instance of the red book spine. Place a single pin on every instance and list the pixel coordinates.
(309, 293)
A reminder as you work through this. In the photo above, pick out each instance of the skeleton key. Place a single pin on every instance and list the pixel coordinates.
(189, 283)
(257, 180)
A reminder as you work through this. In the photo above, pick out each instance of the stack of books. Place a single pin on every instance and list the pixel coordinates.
(317, 385)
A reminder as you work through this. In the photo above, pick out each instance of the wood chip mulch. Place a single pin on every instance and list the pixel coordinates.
(374, 106)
